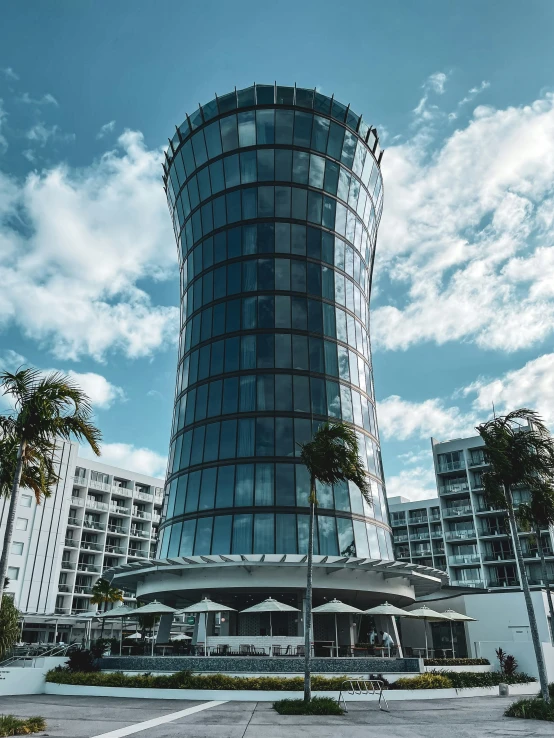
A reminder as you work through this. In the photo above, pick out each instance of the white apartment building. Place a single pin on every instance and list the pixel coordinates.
(459, 532)
(98, 516)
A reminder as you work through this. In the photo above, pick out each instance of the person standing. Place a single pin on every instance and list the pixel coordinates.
(387, 640)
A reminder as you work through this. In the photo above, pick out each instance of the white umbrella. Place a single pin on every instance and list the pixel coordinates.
(153, 608)
(391, 610)
(454, 616)
(134, 636)
(426, 614)
(205, 605)
(118, 612)
(180, 637)
(270, 605)
(336, 606)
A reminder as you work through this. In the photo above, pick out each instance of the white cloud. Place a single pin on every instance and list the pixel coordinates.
(401, 419)
(415, 482)
(101, 392)
(127, 456)
(467, 231)
(434, 84)
(9, 73)
(41, 134)
(46, 99)
(3, 115)
(69, 279)
(531, 386)
(105, 129)
(473, 92)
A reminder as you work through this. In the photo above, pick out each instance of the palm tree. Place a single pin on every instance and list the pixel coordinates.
(520, 451)
(102, 593)
(537, 515)
(45, 408)
(331, 456)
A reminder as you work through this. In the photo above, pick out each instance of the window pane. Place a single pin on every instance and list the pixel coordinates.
(264, 483)
(244, 488)
(265, 126)
(328, 545)
(228, 441)
(221, 542)
(202, 544)
(285, 534)
(248, 167)
(264, 536)
(265, 437)
(247, 129)
(242, 534)
(346, 537)
(229, 135)
(245, 437)
(283, 126)
(207, 489)
(187, 539)
(225, 486)
(320, 132)
(284, 484)
(284, 437)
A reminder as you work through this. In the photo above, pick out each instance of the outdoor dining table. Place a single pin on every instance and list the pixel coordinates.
(164, 648)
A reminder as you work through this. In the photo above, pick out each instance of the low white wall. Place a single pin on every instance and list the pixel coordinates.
(17, 680)
(476, 668)
(523, 652)
(245, 695)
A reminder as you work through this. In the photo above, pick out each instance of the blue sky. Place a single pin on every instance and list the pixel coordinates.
(462, 94)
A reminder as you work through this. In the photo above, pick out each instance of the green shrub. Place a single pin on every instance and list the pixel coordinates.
(316, 706)
(431, 680)
(10, 725)
(531, 709)
(456, 662)
(81, 661)
(466, 679)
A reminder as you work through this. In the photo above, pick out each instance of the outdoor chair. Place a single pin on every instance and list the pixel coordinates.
(244, 649)
(300, 650)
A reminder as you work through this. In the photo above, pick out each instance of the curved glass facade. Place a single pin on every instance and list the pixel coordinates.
(275, 195)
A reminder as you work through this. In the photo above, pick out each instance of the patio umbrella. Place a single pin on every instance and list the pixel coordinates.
(205, 605)
(454, 616)
(392, 611)
(134, 636)
(118, 612)
(336, 606)
(270, 605)
(426, 614)
(153, 608)
(180, 637)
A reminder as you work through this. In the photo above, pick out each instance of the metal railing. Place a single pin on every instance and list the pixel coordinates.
(94, 524)
(117, 529)
(91, 546)
(464, 559)
(455, 535)
(123, 491)
(73, 521)
(448, 489)
(83, 589)
(419, 536)
(418, 519)
(365, 687)
(78, 501)
(81, 481)
(27, 655)
(71, 543)
(101, 486)
(139, 533)
(446, 466)
(115, 550)
(457, 510)
(96, 504)
(68, 565)
(142, 515)
(119, 510)
(93, 568)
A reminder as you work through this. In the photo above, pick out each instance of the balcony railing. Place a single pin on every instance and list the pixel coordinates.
(73, 521)
(504, 582)
(137, 553)
(400, 539)
(453, 535)
(419, 536)
(116, 529)
(101, 486)
(96, 504)
(70, 543)
(77, 501)
(122, 491)
(80, 481)
(460, 559)
(64, 588)
(158, 499)
(478, 583)
(457, 511)
(494, 532)
(144, 496)
(93, 568)
(499, 556)
(421, 552)
(398, 522)
(140, 533)
(91, 546)
(156, 518)
(437, 534)
(115, 550)
(477, 461)
(68, 565)
(142, 515)
(82, 589)
(453, 489)
(119, 510)
(418, 519)
(94, 524)
(446, 466)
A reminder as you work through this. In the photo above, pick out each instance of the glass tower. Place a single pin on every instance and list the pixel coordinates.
(275, 194)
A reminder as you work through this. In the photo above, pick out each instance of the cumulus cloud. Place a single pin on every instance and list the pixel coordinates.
(101, 392)
(105, 129)
(41, 134)
(401, 419)
(47, 99)
(9, 73)
(69, 275)
(434, 84)
(127, 456)
(416, 479)
(3, 115)
(468, 231)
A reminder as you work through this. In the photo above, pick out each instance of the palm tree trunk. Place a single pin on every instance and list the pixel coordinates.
(308, 609)
(545, 581)
(11, 518)
(543, 679)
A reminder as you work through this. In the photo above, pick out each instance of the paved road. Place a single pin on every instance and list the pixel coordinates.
(96, 717)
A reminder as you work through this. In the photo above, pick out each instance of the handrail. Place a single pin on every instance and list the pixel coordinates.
(31, 655)
(368, 687)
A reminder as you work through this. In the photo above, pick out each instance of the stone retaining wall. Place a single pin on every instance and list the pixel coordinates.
(258, 664)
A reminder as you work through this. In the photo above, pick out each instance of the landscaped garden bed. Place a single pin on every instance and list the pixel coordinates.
(534, 708)
(10, 725)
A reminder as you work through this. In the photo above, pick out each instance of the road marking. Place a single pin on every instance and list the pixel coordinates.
(130, 729)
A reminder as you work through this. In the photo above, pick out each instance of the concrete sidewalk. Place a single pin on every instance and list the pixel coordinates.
(87, 717)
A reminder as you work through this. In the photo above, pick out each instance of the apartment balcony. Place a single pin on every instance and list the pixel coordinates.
(463, 559)
(158, 499)
(504, 582)
(121, 491)
(493, 532)
(145, 496)
(484, 508)
(399, 523)
(74, 522)
(82, 589)
(457, 511)
(68, 565)
(499, 556)
(439, 551)
(117, 550)
(62, 610)
(64, 588)
(91, 546)
(476, 583)
(539, 582)
(96, 504)
(142, 515)
(139, 533)
(479, 461)
(449, 466)
(137, 553)
(78, 501)
(453, 489)
(418, 520)
(71, 543)
(419, 536)
(156, 518)
(80, 481)
(437, 534)
(435, 518)
(459, 535)
(421, 552)
(92, 568)
(100, 486)
(117, 529)
(400, 537)
(93, 525)
(119, 510)
(403, 555)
